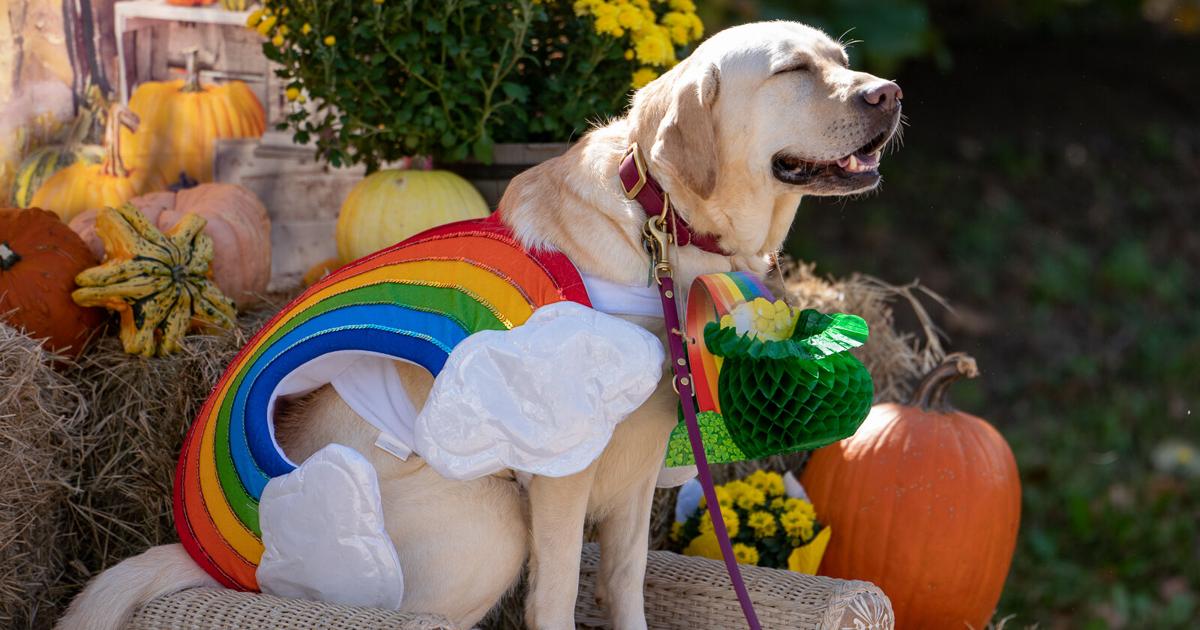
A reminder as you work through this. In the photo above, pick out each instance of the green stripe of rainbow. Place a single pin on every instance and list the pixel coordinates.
(712, 296)
(414, 301)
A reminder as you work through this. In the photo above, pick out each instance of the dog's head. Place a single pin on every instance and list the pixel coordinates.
(758, 116)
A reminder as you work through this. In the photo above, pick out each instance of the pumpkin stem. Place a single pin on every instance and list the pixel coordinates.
(930, 393)
(118, 116)
(191, 80)
(8, 257)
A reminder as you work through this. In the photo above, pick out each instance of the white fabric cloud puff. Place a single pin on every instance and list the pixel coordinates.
(541, 398)
(323, 534)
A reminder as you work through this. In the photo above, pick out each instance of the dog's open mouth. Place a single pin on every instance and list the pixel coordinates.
(854, 172)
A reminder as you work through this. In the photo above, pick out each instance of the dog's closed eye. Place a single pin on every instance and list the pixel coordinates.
(798, 66)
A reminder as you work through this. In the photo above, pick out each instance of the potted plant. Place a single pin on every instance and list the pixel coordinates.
(483, 87)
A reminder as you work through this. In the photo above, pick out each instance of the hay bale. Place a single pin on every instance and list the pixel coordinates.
(40, 411)
(139, 412)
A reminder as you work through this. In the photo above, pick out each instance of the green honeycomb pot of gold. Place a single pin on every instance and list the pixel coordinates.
(787, 382)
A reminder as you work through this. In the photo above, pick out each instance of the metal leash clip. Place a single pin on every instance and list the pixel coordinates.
(657, 242)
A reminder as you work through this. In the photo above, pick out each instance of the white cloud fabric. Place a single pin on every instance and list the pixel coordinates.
(323, 534)
(542, 398)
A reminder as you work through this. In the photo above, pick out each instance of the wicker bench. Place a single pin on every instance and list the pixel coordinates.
(681, 592)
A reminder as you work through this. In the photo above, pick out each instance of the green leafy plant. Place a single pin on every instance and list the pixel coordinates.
(400, 78)
(396, 78)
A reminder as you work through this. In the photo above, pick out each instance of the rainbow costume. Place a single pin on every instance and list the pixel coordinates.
(422, 299)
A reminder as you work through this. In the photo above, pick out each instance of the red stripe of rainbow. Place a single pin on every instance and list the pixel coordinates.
(418, 298)
(712, 296)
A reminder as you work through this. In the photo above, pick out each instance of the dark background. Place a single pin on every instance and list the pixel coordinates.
(1049, 188)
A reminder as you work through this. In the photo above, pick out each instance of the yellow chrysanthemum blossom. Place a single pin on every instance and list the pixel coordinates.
(763, 524)
(751, 498)
(266, 25)
(772, 321)
(306, 29)
(277, 41)
(653, 46)
(724, 499)
(769, 482)
(292, 93)
(678, 25)
(685, 6)
(629, 55)
(643, 76)
(745, 554)
(254, 18)
(732, 523)
(330, 40)
(797, 525)
(705, 546)
(629, 16)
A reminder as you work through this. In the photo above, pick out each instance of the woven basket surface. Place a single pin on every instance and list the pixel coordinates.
(691, 593)
(681, 592)
(213, 609)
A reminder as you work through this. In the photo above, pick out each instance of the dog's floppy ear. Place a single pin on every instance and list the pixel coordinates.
(686, 140)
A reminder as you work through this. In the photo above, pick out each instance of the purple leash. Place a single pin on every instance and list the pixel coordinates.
(656, 242)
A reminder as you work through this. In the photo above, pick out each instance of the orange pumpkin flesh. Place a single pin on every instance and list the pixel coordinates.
(183, 119)
(39, 257)
(82, 186)
(925, 502)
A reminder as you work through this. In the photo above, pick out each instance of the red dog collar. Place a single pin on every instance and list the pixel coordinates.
(639, 185)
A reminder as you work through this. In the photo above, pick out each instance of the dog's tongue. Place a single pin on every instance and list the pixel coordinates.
(857, 163)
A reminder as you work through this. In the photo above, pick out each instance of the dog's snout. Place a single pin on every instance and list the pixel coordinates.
(885, 94)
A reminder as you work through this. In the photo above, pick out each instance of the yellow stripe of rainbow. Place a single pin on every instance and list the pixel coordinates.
(414, 301)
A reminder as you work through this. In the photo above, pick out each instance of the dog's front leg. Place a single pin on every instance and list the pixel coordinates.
(557, 510)
(624, 539)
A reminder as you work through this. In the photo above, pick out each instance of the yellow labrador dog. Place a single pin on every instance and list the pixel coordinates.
(757, 117)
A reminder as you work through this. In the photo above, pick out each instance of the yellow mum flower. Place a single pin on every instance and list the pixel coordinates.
(653, 48)
(766, 320)
(763, 524)
(277, 41)
(705, 546)
(724, 499)
(306, 29)
(630, 16)
(330, 40)
(284, 30)
(797, 525)
(745, 554)
(769, 482)
(678, 25)
(800, 506)
(629, 55)
(254, 18)
(292, 93)
(608, 25)
(696, 26)
(266, 25)
(777, 504)
(751, 498)
(685, 6)
(642, 76)
(736, 488)
(732, 523)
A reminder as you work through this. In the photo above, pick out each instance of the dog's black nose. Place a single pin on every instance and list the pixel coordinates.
(884, 94)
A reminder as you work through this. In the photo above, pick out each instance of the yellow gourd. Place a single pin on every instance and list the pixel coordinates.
(390, 206)
(112, 182)
(159, 283)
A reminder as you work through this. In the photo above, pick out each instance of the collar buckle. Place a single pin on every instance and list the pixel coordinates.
(639, 162)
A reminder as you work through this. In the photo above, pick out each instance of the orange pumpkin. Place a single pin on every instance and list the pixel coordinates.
(110, 183)
(237, 222)
(183, 119)
(39, 257)
(926, 502)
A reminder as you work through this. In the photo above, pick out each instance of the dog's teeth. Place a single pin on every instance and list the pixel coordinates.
(853, 165)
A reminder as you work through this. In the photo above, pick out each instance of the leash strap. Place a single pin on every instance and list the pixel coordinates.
(657, 242)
